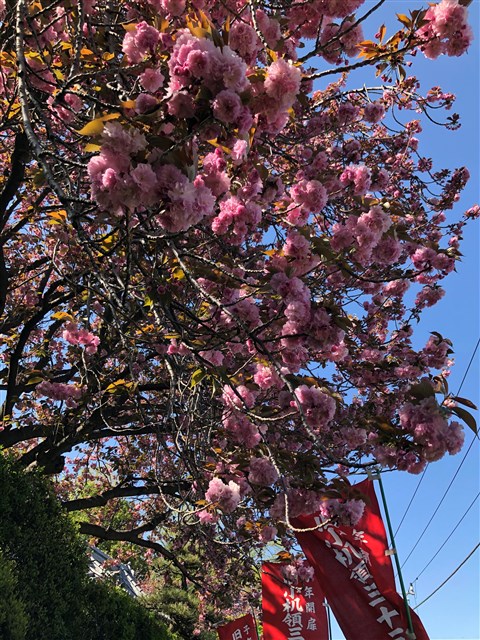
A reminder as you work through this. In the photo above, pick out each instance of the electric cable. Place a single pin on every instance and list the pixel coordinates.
(425, 470)
(450, 576)
(468, 366)
(448, 537)
(440, 503)
(411, 500)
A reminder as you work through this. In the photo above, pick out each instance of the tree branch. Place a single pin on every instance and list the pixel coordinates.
(101, 499)
(97, 531)
(19, 159)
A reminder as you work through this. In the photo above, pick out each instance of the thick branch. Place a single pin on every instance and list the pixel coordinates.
(18, 161)
(101, 499)
(130, 536)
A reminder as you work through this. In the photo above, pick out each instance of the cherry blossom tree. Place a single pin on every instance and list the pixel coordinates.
(214, 252)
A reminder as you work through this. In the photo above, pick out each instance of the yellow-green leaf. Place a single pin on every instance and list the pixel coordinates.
(178, 274)
(197, 376)
(95, 127)
(62, 315)
(92, 147)
(120, 385)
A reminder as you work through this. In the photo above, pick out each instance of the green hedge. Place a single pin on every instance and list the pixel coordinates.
(13, 617)
(46, 593)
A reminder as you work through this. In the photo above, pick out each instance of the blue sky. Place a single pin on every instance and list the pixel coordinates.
(453, 613)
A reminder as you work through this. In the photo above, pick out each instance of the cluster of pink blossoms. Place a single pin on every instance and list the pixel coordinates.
(139, 42)
(307, 17)
(341, 512)
(296, 502)
(338, 40)
(75, 336)
(241, 430)
(298, 572)
(366, 235)
(59, 391)
(425, 422)
(447, 30)
(262, 472)
(237, 218)
(227, 496)
(318, 407)
(305, 326)
(120, 180)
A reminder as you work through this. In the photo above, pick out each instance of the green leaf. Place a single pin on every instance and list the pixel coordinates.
(148, 302)
(467, 417)
(465, 401)
(422, 390)
(197, 376)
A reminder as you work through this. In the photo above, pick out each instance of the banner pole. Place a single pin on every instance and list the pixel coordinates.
(397, 561)
(329, 621)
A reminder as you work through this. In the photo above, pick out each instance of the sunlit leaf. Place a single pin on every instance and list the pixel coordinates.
(120, 385)
(405, 20)
(197, 376)
(178, 274)
(95, 127)
(91, 147)
(62, 315)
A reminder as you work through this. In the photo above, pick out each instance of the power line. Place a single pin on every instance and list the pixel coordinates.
(449, 536)
(450, 576)
(411, 500)
(425, 470)
(440, 503)
(469, 365)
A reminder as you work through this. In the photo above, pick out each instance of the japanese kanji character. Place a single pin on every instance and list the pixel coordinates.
(343, 556)
(295, 634)
(293, 620)
(387, 616)
(361, 572)
(354, 551)
(292, 602)
(337, 541)
(312, 624)
(310, 607)
(308, 592)
(360, 536)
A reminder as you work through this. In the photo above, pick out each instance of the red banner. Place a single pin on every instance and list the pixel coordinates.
(291, 612)
(356, 575)
(243, 628)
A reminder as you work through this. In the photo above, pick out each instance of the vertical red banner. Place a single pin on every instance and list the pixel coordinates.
(356, 575)
(243, 628)
(291, 612)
